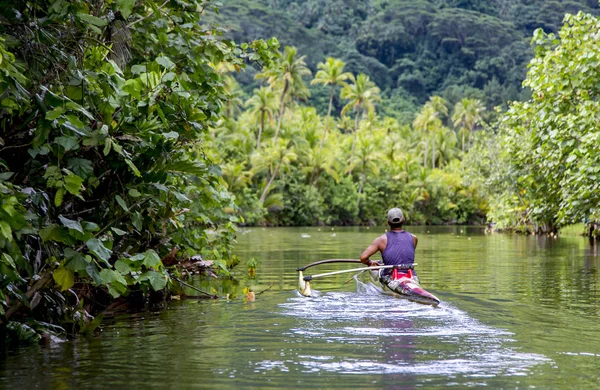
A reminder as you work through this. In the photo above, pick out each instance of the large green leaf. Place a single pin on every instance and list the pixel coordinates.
(134, 193)
(5, 230)
(65, 278)
(81, 167)
(92, 271)
(75, 260)
(122, 266)
(157, 280)
(93, 20)
(73, 184)
(151, 259)
(121, 202)
(56, 113)
(118, 231)
(97, 247)
(71, 224)
(165, 62)
(112, 276)
(69, 143)
(8, 260)
(136, 221)
(59, 196)
(55, 233)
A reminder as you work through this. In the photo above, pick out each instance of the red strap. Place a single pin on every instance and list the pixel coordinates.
(397, 274)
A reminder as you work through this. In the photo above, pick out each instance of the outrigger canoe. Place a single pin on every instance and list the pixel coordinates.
(403, 282)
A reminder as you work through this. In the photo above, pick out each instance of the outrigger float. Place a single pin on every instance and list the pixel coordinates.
(403, 284)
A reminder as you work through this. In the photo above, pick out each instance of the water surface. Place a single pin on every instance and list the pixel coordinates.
(516, 311)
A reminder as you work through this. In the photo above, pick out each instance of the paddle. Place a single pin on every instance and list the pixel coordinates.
(327, 262)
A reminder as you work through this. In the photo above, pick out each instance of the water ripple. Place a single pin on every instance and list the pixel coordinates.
(401, 337)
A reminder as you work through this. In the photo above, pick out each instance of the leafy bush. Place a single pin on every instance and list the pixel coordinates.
(103, 116)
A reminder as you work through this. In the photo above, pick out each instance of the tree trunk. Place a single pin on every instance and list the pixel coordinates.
(360, 187)
(463, 140)
(328, 116)
(281, 109)
(425, 153)
(313, 174)
(432, 152)
(266, 190)
(469, 137)
(260, 130)
(355, 132)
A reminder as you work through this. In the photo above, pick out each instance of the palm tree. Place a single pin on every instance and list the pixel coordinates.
(395, 140)
(362, 95)
(406, 165)
(426, 121)
(236, 176)
(433, 112)
(309, 123)
(232, 138)
(317, 161)
(467, 114)
(275, 158)
(263, 105)
(366, 161)
(345, 124)
(234, 94)
(440, 105)
(446, 140)
(331, 73)
(290, 71)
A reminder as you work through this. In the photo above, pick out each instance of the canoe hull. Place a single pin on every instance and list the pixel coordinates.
(407, 288)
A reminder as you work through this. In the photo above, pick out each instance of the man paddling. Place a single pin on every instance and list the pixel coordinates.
(396, 246)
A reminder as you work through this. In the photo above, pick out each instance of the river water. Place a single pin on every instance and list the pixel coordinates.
(516, 312)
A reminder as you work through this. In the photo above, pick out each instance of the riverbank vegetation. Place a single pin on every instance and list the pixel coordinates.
(289, 166)
(552, 140)
(105, 185)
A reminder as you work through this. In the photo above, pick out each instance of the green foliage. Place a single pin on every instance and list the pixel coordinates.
(551, 141)
(578, 229)
(346, 170)
(104, 114)
(459, 49)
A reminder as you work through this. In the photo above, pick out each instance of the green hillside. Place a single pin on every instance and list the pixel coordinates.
(411, 49)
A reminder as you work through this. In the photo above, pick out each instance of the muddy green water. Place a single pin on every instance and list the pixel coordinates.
(516, 312)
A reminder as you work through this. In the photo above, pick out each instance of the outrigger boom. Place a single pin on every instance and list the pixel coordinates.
(304, 281)
(398, 266)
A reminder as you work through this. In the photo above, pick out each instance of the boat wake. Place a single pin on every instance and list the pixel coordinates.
(399, 336)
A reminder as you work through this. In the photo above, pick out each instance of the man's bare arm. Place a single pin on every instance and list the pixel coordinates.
(370, 251)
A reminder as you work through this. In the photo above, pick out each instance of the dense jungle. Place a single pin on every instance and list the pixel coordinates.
(137, 136)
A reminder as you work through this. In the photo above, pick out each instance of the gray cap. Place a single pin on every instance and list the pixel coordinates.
(395, 215)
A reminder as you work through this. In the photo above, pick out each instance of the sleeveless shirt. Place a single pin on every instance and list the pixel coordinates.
(400, 248)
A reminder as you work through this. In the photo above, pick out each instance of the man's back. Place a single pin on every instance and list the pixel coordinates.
(400, 248)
